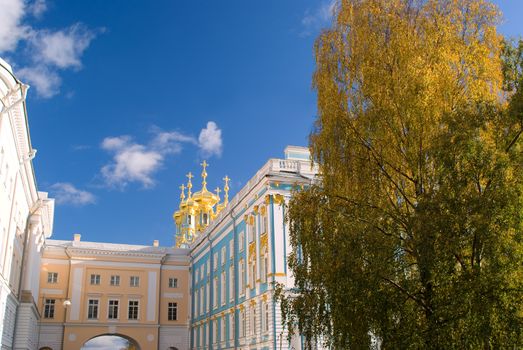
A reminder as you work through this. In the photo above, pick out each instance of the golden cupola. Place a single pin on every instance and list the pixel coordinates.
(196, 211)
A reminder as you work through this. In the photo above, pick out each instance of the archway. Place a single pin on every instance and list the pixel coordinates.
(111, 342)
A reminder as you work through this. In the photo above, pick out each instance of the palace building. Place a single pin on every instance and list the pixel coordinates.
(210, 288)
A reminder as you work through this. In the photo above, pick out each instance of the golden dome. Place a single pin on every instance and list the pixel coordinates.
(197, 211)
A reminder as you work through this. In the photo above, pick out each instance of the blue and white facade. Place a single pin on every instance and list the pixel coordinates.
(238, 258)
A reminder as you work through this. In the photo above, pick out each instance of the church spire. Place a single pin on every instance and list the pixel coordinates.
(189, 185)
(204, 176)
(226, 190)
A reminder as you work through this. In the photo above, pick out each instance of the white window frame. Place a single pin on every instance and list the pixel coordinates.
(253, 320)
(172, 305)
(222, 329)
(266, 311)
(241, 277)
(137, 306)
(223, 288)
(134, 281)
(95, 306)
(215, 296)
(231, 326)
(112, 307)
(243, 324)
(49, 308)
(115, 280)
(52, 277)
(96, 279)
(173, 282)
(215, 331)
(231, 282)
(241, 241)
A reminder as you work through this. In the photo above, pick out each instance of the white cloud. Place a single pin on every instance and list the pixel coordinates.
(133, 162)
(62, 48)
(37, 8)
(210, 140)
(66, 193)
(46, 81)
(49, 51)
(313, 21)
(11, 28)
(171, 142)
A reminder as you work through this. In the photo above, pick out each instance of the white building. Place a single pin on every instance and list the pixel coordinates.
(26, 219)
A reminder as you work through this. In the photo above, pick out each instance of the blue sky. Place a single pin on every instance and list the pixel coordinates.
(128, 96)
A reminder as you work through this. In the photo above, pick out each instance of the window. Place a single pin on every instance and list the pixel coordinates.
(113, 310)
(49, 308)
(253, 320)
(266, 311)
(202, 295)
(243, 323)
(133, 310)
(253, 275)
(223, 287)
(215, 331)
(135, 281)
(173, 282)
(198, 303)
(95, 279)
(216, 286)
(231, 326)
(250, 229)
(241, 241)
(92, 309)
(222, 329)
(264, 223)
(231, 248)
(115, 280)
(208, 293)
(205, 218)
(189, 220)
(264, 267)
(172, 312)
(215, 260)
(52, 277)
(224, 251)
(231, 282)
(241, 277)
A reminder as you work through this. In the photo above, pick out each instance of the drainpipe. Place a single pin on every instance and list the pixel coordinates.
(211, 294)
(162, 261)
(234, 279)
(67, 293)
(190, 295)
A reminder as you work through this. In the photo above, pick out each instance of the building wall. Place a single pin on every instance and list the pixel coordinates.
(26, 218)
(76, 272)
(237, 260)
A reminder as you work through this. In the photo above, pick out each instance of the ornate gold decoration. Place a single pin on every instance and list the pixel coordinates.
(278, 199)
(264, 241)
(252, 251)
(197, 210)
(255, 209)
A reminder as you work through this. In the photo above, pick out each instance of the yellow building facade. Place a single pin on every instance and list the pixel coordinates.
(90, 289)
